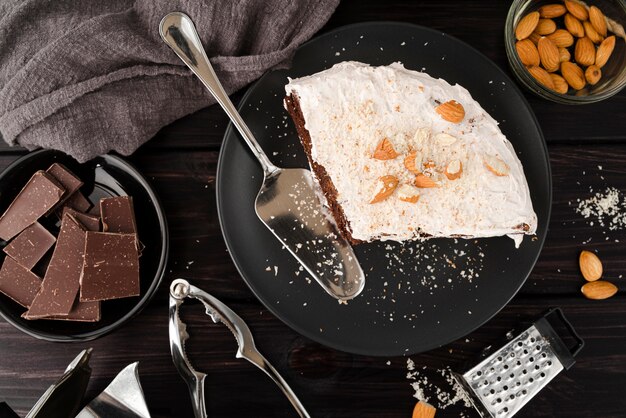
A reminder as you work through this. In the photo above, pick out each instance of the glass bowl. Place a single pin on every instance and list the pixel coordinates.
(613, 73)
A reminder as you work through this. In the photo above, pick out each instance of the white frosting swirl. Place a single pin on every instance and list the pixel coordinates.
(352, 106)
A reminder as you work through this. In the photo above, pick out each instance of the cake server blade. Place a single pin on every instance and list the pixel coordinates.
(289, 202)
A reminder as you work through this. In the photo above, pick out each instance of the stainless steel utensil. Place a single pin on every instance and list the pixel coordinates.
(501, 384)
(289, 200)
(180, 290)
(123, 398)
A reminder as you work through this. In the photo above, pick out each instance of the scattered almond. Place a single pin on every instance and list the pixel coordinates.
(424, 410)
(591, 33)
(561, 38)
(590, 266)
(408, 193)
(560, 85)
(593, 73)
(576, 9)
(549, 54)
(454, 169)
(526, 25)
(574, 26)
(585, 52)
(550, 11)
(598, 290)
(596, 18)
(564, 54)
(542, 76)
(429, 164)
(545, 26)
(573, 74)
(604, 51)
(496, 165)
(452, 111)
(387, 184)
(424, 182)
(384, 150)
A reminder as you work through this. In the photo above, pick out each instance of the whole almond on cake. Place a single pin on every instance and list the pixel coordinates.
(551, 11)
(597, 19)
(573, 74)
(549, 54)
(585, 52)
(604, 51)
(593, 73)
(577, 10)
(526, 25)
(527, 52)
(452, 111)
(561, 38)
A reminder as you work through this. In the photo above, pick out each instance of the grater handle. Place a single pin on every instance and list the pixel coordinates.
(580, 343)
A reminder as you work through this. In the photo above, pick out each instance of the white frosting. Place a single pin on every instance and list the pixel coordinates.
(349, 108)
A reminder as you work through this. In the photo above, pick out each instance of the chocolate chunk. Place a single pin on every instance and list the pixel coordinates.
(118, 215)
(81, 312)
(30, 245)
(37, 198)
(61, 281)
(90, 222)
(111, 267)
(65, 178)
(78, 202)
(18, 283)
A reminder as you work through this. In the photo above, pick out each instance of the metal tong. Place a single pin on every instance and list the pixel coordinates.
(180, 289)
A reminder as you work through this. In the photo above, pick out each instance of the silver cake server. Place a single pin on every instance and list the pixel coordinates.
(289, 200)
(180, 290)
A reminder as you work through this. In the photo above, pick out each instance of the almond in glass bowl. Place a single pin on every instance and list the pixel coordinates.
(583, 44)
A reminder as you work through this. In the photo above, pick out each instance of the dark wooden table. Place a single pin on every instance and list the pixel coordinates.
(181, 163)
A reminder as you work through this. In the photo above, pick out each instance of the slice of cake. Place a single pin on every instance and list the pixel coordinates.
(400, 155)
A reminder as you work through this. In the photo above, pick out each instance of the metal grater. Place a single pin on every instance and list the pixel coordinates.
(501, 384)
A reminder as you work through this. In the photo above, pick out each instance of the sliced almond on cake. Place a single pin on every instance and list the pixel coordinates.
(384, 150)
(454, 169)
(424, 182)
(386, 186)
(496, 165)
(411, 161)
(445, 139)
(452, 111)
(408, 193)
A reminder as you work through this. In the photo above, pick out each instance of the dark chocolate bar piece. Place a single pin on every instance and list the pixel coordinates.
(18, 283)
(30, 245)
(90, 222)
(38, 197)
(65, 178)
(61, 281)
(78, 202)
(81, 312)
(118, 215)
(111, 267)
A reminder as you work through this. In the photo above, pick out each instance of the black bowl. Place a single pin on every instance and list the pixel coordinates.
(104, 176)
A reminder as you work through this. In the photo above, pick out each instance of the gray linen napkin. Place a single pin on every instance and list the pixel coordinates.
(89, 76)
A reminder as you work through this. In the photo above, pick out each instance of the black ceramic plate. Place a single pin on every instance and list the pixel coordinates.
(417, 296)
(103, 177)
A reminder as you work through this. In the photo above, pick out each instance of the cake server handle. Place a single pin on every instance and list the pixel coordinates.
(179, 33)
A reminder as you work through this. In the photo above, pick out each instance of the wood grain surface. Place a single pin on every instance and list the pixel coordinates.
(181, 162)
